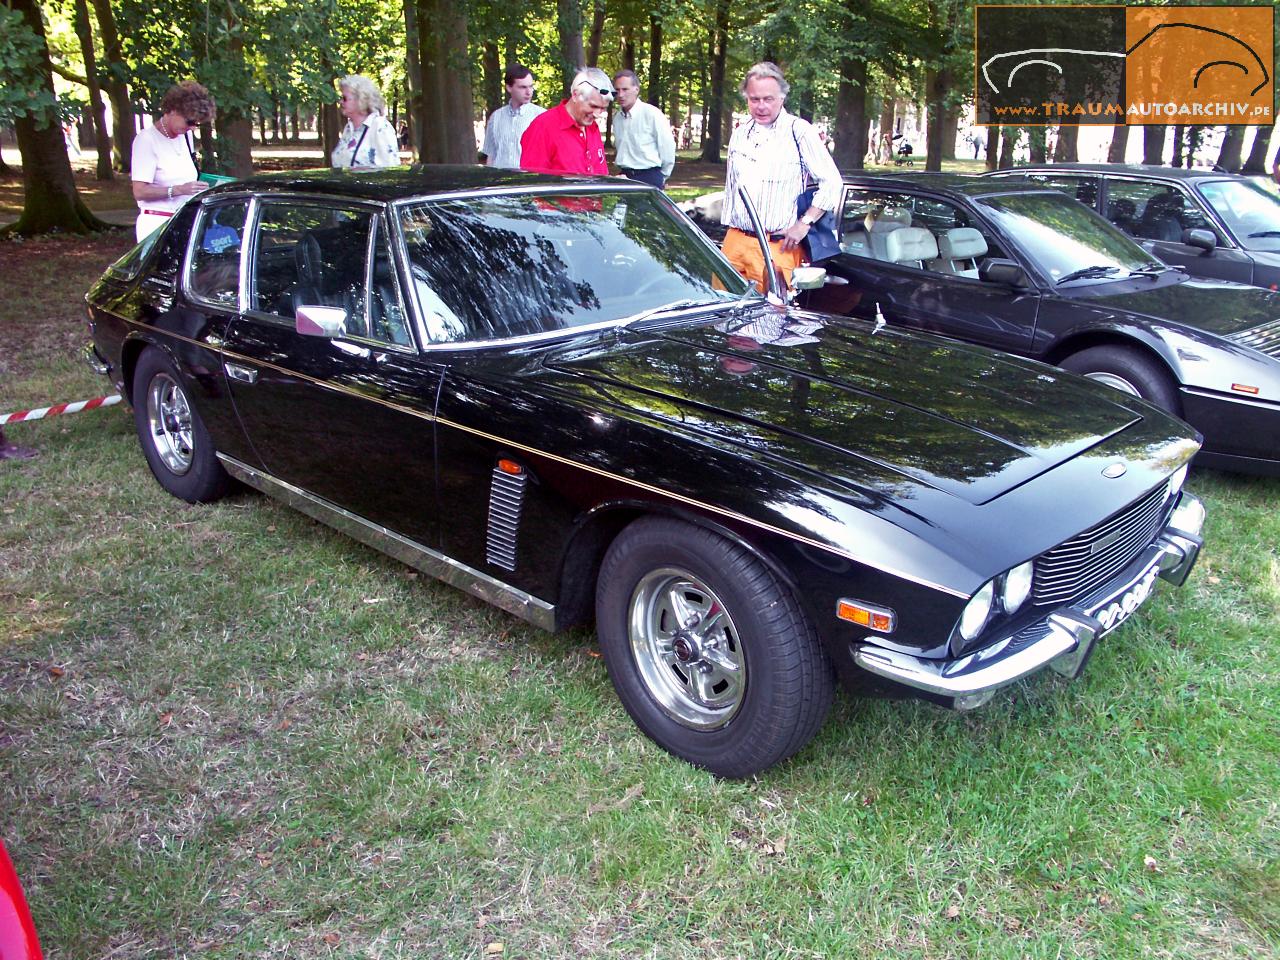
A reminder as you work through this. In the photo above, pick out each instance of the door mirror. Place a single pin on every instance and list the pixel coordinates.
(808, 278)
(317, 321)
(1201, 238)
(1004, 272)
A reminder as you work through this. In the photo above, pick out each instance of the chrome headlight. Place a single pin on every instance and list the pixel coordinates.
(1015, 586)
(977, 611)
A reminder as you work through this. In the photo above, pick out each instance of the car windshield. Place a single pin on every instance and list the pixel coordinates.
(1066, 239)
(498, 267)
(1249, 211)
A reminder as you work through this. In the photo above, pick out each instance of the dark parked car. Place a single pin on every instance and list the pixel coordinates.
(556, 394)
(1215, 225)
(1028, 270)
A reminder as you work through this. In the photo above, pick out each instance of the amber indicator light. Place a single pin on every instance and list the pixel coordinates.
(876, 618)
(1244, 388)
(511, 467)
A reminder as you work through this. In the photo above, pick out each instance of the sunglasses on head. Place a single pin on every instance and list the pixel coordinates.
(605, 92)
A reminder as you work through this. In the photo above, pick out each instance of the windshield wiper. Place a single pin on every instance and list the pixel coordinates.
(1098, 270)
(657, 317)
(1265, 233)
(1151, 270)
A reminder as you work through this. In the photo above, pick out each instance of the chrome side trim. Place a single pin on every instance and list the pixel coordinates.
(501, 595)
(89, 353)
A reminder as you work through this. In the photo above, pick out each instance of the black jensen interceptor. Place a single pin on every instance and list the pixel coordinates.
(556, 394)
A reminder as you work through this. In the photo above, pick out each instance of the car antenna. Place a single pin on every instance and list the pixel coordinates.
(880, 321)
(770, 271)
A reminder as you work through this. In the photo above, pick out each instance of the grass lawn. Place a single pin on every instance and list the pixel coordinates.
(227, 731)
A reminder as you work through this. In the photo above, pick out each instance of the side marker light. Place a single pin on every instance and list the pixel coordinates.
(880, 619)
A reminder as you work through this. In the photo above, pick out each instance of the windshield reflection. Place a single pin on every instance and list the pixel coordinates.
(497, 267)
(1063, 237)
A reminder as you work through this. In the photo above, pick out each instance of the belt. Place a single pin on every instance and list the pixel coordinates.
(159, 213)
(752, 233)
(639, 169)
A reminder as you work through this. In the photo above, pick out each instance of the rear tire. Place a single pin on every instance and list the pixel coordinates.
(174, 440)
(1129, 371)
(709, 653)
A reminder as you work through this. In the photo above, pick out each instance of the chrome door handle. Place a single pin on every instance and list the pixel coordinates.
(244, 374)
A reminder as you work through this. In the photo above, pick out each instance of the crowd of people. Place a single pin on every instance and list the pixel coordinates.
(779, 160)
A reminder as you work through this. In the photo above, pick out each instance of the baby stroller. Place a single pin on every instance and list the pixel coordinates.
(903, 157)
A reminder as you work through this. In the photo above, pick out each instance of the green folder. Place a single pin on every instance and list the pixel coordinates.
(214, 179)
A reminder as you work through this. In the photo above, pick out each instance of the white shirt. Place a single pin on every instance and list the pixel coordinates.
(767, 161)
(644, 139)
(164, 162)
(502, 134)
(372, 144)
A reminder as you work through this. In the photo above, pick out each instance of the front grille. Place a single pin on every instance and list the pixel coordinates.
(506, 500)
(1265, 339)
(1076, 566)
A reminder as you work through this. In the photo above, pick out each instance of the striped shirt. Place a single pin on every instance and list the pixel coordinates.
(766, 161)
(502, 135)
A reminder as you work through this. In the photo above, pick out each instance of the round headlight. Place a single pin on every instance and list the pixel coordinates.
(976, 612)
(1177, 480)
(1016, 586)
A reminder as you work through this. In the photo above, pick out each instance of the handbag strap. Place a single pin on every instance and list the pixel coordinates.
(191, 149)
(804, 167)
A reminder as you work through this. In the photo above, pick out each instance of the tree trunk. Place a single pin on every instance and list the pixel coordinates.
(719, 48)
(1153, 137)
(569, 28)
(1068, 148)
(117, 85)
(50, 200)
(1176, 161)
(84, 32)
(992, 158)
(1008, 140)
(950, 133)
(655, 61)
(1119, 143)
(1257, 162)
(413, 79)
(446, 82)
(1037, 146)
(1232, 145)
(491, 68)
(936, 84)
(597, 32)
(628, 47)
(851, 114)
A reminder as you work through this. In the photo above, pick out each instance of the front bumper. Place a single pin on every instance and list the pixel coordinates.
(1061, 640)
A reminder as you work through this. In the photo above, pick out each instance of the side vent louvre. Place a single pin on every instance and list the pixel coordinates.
(506, 498)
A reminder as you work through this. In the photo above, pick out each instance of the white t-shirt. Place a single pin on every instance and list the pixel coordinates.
(162, 161)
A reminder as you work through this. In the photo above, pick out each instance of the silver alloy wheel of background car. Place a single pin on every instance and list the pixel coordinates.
(169, 416)
(687, 649)
(1115, 382)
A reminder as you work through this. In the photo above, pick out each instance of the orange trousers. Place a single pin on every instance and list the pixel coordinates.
(743, 251)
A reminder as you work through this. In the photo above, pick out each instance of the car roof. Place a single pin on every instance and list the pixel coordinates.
(1148, 170)
(960, 184)
(399, 183)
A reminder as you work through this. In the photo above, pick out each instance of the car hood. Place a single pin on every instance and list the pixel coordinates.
(1216, 307)
(868, 409)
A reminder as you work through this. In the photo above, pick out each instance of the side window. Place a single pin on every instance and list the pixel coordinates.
(172, 250)
(928, 233)
(1084, 189)
(312, 255)
(387, 318)
(215, 259)
(1153, 211)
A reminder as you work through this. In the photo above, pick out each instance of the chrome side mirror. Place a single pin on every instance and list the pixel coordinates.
(318, 321)
(808, 278)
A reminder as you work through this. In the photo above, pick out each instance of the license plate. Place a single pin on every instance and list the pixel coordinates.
(1111, 613)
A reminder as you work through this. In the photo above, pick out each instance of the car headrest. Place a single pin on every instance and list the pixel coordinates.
(911, 243)
(891, 218)
(1123, 207)
(961, 243)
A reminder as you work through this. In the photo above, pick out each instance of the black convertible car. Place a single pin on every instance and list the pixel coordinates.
(556, 394)
(1026, 269)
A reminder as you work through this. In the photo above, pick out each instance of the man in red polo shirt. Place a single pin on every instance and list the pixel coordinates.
(565, 139)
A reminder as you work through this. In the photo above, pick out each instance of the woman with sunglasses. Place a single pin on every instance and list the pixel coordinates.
(164, 156)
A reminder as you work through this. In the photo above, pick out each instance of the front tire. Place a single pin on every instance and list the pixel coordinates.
(174, 440)
(709, 653)
(1127, 370)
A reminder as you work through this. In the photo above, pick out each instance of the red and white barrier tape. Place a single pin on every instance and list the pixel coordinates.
(59, 408)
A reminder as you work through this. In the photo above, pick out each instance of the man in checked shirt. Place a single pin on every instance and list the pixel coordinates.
(774, 156)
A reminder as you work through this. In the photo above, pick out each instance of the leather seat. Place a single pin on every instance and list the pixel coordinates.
(958, 251)
(912, 245)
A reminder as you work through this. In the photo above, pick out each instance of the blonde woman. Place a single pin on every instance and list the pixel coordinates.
(368, 139)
